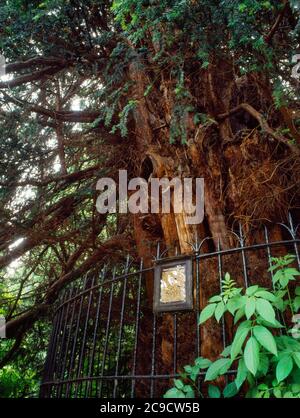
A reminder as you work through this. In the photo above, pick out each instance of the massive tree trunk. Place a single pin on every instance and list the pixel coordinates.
(244, 169)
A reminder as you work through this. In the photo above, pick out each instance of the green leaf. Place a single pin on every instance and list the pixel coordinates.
(239, 314)
(264, 364)
(291, 272)
(215, 299)
(250, 307)
(234, 304)
(277, 276)
(284, 281)
(195, 373)
(230, 390)
(262, 386)
(296, 387)
(190, 394)
(244, 325)
(265, 338)
(266, 295)
(251, 355)
(214, 391)
(284, 368)
(297, 303)
(226, 351)
(238, 341)
(202, 362)
(285, 275)
(217, 368)
(174, 393)
(189, 391)
(188, 369)
(207, 312)
(272, 268)
(178, 384)
(219, 311)
(295, 376)
(289, 343)
(241, 374)
(288, 395)
(275, 324)
(265, 310)
(277, 393)
(252, 393)
(251, 290)
(296, 357)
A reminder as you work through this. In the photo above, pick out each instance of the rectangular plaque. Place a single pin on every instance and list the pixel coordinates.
(173, 284)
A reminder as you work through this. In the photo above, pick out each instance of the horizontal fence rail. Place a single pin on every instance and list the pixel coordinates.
(107, 342)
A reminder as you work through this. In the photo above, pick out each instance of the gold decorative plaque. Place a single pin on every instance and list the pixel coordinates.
(173, 284)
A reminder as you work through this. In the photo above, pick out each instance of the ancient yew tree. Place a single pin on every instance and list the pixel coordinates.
(195, 88)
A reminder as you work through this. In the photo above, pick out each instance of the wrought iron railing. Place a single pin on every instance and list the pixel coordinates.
(107, 342)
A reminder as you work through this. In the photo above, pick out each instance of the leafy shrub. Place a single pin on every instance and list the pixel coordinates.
(265, 350)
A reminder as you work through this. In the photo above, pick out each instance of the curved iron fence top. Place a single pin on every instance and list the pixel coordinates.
(194, 255)
(248, 248)
(103, 283)
(107, 339)
(196, 247)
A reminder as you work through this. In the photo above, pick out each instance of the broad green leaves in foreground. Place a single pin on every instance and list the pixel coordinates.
(267, 359)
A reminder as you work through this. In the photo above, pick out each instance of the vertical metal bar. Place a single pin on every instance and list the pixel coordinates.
(242, 244)
(281, 316)
(221, 289)
(107, 331)
(137, 324)
(92, 356)
(82, 351)
(198, 307)
(175, 344)
(294, 232)
(56, 340)
(220, 269)
(120, 329)
(153, 356)
(68, 342)
(158, 251)
(269, 253)
(51, 348)
(73, 354)
(45, 390)
(64, 347)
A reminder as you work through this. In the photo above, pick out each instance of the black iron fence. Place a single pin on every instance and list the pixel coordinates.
(107, 342)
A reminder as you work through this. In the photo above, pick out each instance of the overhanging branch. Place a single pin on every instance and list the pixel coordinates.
(269, 36)
(262, 122)
(37, 75)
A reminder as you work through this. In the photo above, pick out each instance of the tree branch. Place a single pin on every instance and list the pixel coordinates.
(36, 61)
(66, 179)
(30, 77)
(269, 36)
(263, 123)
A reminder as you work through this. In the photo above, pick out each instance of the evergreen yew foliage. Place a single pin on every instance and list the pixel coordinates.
(202, 88)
